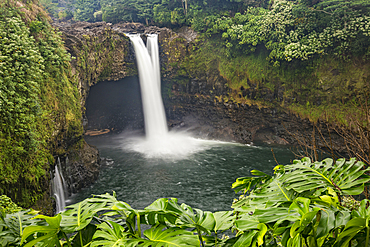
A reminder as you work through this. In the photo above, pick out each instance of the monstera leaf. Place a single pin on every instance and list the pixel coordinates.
(270, 193)
(13, 225)
(248, 183)
(50, 232)
(131, 217)
(292, 204)
(112, 234)
(302, 178)
(192, 218)
(159, 212)
(180, 215)
(224, 220)
(79, 215)
(345, 177)
(171, 237)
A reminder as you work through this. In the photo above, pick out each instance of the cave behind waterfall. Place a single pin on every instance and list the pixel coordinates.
(115, 105)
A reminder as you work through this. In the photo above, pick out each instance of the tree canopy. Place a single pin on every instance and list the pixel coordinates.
(289, 29)
(299, 29)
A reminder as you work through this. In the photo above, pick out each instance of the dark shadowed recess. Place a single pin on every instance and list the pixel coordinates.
(115, 105)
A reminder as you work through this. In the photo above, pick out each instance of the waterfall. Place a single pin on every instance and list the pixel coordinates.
(152, 44)
(150, 82)
(159, 142)
(59, 189)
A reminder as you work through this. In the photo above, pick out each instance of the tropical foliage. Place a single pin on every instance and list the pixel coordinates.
(7, 206)
(294, 30)
(289, 29)
(158, 12)
(36, 91)
(21, 66)
(300, 205)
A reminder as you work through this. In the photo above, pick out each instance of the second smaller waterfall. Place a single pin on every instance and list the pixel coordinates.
(58, 189)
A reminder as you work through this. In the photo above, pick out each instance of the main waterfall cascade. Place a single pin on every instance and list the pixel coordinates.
(159, 142)
(150, 82)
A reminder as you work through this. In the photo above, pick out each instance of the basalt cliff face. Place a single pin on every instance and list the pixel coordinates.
(198, 99)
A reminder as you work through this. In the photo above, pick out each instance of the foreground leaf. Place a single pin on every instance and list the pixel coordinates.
(344, 177)
(50, 237)
(109, 234)
(12, 226)
(172, 237)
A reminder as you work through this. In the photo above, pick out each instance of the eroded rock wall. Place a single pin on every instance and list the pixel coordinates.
(98, 53)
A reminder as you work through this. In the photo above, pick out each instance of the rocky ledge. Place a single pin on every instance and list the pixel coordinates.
(80, 168)
(213, 118)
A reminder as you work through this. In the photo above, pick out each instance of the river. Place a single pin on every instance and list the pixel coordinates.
(202, 179)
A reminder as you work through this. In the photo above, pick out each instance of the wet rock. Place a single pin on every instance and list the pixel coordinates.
(106, 161)
(129, 27)
(81, 168)
(230, 121)
(99, 53)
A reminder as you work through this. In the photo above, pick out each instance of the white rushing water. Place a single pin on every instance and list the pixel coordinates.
(158, 142)
(154, 115)
(58, 189)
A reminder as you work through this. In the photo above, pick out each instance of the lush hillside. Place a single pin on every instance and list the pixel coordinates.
(39, 101)
(316, 51)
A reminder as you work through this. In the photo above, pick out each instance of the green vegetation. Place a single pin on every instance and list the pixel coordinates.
(289, 29)
(302, 204)
(39, 101)
(324, 87)
(292, 30)
(96, 56)
(21, 75)
(155, 12)
(85, 10)
(309, 57)
(7, 206)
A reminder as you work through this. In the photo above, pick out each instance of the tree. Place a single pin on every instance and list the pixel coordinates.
(85, 10)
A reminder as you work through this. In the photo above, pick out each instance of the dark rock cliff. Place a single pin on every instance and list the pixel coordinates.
(98, 52)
